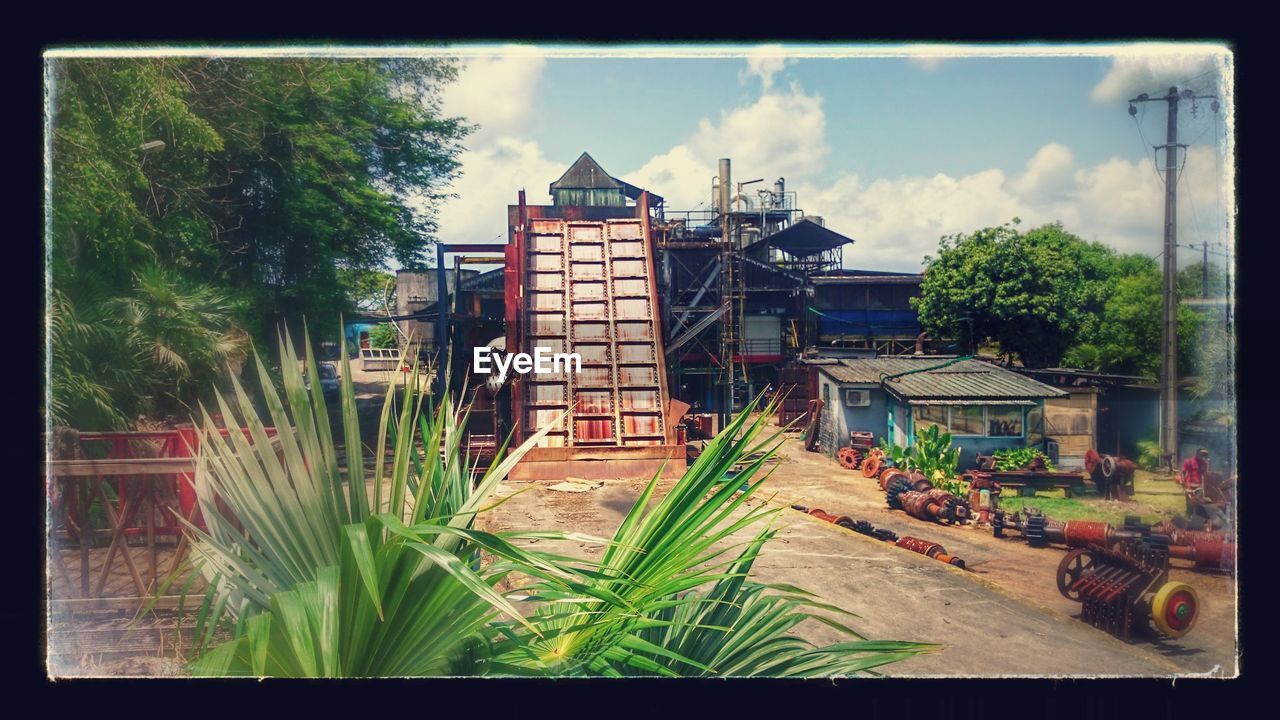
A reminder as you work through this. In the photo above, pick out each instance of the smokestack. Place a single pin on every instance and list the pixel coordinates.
(779, 192)
(725, 186)
(920, 342)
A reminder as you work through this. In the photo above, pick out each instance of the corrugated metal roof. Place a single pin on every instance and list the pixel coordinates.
(585, 174)
(965, 380)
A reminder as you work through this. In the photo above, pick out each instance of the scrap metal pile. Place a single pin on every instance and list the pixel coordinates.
(927, 548)
(1126, 589)
(1212, 550)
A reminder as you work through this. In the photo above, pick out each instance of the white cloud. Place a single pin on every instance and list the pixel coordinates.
(492, 175)
(1130, 75)
(781, 133)
(896, 222)
(1048, 174)
(764, 62)
(927, 62)
(496, 92)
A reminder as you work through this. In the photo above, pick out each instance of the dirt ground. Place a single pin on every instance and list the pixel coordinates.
(1003, 617)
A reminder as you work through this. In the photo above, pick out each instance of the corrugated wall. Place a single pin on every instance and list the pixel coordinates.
(589, 289)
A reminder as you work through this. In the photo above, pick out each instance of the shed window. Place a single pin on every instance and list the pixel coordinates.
(966, 420)
(926, 415)
(1004, 421)
(973, 420)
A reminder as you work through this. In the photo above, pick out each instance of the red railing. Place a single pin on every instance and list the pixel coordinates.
(153, 474)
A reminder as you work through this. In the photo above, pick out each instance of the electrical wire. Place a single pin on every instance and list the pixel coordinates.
(1137, 121)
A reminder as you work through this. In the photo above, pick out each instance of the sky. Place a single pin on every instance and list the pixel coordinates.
(894, 152)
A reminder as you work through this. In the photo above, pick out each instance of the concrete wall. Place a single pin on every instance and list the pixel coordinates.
(841, 419)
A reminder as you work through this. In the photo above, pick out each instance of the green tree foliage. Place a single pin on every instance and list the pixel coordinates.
(1030, 292)
(264, 188)
(1191, 280)
(1128, 335)
(383, 335)
(369, 291)
(1048, 297)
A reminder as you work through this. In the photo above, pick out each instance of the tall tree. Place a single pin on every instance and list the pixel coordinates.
(250, 181)
(1033, 292)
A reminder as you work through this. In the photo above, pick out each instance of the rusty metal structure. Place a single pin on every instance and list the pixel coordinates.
(1041, 531)
(916, 496)
(1125, 589)
(1112, 475)
(928, 548)
(580, 279)
(1207, 550)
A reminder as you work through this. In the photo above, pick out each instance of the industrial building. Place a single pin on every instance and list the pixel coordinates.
(673, 311)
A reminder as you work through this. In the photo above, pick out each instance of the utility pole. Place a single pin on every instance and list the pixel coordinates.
(728, 338)
(1169, 324)
(1204, 270)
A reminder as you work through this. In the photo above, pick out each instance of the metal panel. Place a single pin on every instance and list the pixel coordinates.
(589, 288)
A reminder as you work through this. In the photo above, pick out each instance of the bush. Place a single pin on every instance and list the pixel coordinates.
(383, 336)
(1020, 458)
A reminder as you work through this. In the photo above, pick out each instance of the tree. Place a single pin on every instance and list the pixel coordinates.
(383, 335)
(261, 183)
(1191, 280)
(1031, 292)
(1128, 334)
(367, 291)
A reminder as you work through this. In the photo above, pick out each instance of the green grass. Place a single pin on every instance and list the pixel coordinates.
(1156, 498)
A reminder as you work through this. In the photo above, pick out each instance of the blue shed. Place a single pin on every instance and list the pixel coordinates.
(983, 406)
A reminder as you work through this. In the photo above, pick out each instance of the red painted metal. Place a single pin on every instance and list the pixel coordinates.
(177, 443)
(1207, 554)
(1082, 533)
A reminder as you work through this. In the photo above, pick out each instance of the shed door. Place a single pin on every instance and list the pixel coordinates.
(899, 426)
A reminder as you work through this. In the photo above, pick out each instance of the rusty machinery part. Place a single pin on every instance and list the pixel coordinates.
(866, 528)
(822, 515)
(888, 474)
(1210, 554)
(1083, 533)
(1125, 588)
(929, 549)
(1091, 461)
(872, 465)
(1033, 529)
(897, 485)
(997, 523)
(936, 505)
(1174, 608)
(849, 458)
(1075, 564)
(919, 482)
(1181, 536)
(859, 526)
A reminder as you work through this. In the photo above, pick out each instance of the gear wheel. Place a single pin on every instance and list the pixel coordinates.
(896, 487)
(1033, 531)
(1158, 544)
(849, 458)
(997, 524)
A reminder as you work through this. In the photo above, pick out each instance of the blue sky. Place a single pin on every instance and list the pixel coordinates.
(892, 151)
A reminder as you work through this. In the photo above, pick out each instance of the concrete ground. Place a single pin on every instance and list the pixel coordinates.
(1003, 617)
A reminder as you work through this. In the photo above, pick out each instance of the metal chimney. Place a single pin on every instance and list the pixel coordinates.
(780, 193)
(725, 186)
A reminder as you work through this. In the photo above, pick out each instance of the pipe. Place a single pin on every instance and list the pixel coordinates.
(724, 186)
